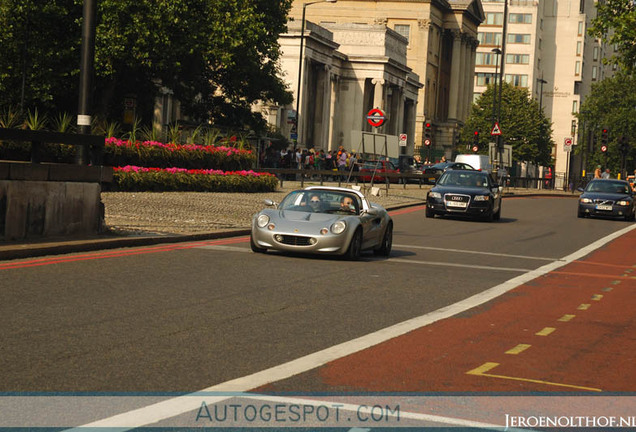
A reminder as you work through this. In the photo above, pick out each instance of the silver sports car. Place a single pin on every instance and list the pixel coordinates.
(323, 220)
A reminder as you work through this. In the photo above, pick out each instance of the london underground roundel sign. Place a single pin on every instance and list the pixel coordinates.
(376, 117)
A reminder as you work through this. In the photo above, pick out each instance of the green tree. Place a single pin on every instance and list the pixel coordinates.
(611, 105)
(522, 125)
(615, 23)
(217, 56)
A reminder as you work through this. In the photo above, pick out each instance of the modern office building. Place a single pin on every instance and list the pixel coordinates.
(547, 51)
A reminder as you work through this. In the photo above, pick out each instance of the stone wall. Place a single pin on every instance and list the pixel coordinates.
(48, 200)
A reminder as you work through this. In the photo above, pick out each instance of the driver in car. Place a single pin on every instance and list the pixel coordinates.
(346, 204)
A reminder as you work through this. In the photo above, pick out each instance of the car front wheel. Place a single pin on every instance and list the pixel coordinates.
(355, 247)
(387, 242)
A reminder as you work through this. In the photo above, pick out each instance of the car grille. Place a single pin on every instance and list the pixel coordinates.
(294, 240)
(456, 202)
(603, 202)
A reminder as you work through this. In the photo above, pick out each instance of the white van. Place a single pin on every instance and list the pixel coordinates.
(477, 161)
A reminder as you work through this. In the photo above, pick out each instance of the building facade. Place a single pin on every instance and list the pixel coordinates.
(426, 50)
(547, 51)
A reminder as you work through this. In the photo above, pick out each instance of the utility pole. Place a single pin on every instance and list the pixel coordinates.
(86, 75)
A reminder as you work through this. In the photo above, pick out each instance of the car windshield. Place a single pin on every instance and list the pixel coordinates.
(463, 178)
(322, 201)
(607, 187)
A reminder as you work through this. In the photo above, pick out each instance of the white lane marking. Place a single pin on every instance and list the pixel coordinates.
(476, 252)
(179, 405)
(447, 264)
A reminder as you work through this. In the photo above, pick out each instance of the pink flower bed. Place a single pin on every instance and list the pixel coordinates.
(116, 142)
(130, 168)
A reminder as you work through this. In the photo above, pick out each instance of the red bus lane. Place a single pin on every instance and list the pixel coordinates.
(573, 329)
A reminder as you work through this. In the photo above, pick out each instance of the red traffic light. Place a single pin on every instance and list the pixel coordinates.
(428, 125)
(604, 131)
(476, 133)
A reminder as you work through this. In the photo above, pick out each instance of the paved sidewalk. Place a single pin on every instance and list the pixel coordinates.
(146, 218)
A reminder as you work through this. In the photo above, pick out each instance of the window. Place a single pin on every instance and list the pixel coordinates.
(518, 38)
(489, 38)
(517, 58)
(494, 18)
(575, 107)
(595, 55)
(580, 28)
(579, 46)
(517, 80)
(577, 68)
(594, 73)
(577, 87)
(520, 18)
(486, 59)
(483, 79)
(403, 30)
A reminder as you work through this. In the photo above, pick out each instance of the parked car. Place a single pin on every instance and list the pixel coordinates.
(465, 193)
(323, 220)
(433, 172)
(375, 168)
(607, 198)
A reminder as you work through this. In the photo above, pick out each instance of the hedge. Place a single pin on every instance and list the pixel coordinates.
(139, 179)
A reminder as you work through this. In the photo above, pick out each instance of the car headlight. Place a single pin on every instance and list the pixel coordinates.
(435, 195)
(586, 200)
(338, 227)
(482, 197)
(623, 203)
(262, 220)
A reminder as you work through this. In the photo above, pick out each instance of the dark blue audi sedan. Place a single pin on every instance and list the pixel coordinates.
(607, 198)
(467, 193)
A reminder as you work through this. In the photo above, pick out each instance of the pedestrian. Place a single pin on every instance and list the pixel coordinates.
(606, 174)
(597, 172)
(443, 159)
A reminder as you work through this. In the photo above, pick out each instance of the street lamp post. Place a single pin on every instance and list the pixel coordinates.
(501, 74)
(495, 51)
(300, 66)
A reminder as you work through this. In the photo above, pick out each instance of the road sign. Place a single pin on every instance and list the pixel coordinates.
(567, 144)
(475, 148)
(402, 142)
(427, 142)
(376, 117)
(496, 130)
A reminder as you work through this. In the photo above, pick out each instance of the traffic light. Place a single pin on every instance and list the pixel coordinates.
(604, 139)
(476, 141)
(428, 135)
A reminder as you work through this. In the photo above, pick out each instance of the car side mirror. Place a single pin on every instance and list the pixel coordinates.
(580, 189)
(372, 211)
(268, 202)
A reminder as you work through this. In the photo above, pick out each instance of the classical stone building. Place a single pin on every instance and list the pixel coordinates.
(430, 80)
(348, 69)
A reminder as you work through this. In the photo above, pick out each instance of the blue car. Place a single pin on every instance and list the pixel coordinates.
(607, 198)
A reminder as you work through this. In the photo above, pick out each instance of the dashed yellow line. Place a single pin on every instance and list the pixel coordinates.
(597, 297)
(566, 318)
(584, 306)
(518, 349)
(546, 331)
(483, 369)
(616, 282)
(607, 289)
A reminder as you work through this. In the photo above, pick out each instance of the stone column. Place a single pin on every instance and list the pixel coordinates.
(456, 67)
(469, 81)
(333, 107)
(378, 93)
